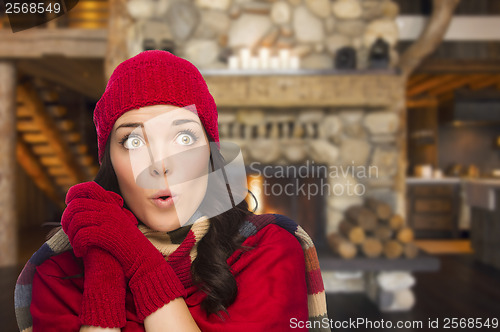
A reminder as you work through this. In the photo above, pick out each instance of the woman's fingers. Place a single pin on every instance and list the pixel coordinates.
(83, 239)
(92, 190)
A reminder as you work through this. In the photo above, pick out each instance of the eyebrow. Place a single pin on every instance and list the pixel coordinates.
(183, 121)
(140, 124)
(130, 125)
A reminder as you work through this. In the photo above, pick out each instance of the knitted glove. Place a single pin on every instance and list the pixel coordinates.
(104, 290)
(96, 218)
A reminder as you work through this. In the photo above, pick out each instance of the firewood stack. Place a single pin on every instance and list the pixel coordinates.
(373, 230)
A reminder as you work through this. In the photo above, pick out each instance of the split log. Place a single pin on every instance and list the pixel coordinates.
(396, 222)
(363, 217)
(371, 247)
(392, 249)
(383, 233)
(354, 233)
(381, 209)
(342, 246)
(410, 250)
(405, 235)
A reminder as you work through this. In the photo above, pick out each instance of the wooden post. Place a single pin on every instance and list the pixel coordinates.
(119, 22)
(8, 220)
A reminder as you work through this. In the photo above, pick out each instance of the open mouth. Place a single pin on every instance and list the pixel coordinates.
(164, 201)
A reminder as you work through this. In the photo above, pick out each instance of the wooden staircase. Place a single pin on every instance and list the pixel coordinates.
(49, 146)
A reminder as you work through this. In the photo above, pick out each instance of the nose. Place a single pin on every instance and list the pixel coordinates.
(158, 168)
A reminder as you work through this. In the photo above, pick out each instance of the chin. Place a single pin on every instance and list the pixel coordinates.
(164, 227)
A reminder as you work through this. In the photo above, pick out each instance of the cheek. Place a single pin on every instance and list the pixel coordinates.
(123, 170)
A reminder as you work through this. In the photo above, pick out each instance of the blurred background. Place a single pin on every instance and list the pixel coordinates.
(374, 124)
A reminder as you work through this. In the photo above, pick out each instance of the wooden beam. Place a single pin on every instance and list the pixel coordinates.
(36, 43)
(416, 79)
(49, 132)
(431, 36)
(440, 66)
(431, 83)
(427, 102)
(33, 168)
(84, 76)
(455, 84)
(491, 80)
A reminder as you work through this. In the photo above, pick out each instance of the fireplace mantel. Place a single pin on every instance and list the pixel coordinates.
(330, 117)
(312, 88)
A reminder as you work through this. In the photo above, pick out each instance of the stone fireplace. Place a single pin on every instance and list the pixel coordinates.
(347, 127)
(339, 135)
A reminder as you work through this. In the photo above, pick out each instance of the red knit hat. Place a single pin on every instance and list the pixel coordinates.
(152, 78)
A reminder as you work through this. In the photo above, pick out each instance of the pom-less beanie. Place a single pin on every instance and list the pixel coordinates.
(152, 78)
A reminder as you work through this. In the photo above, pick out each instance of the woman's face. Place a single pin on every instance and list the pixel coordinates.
(161, 150)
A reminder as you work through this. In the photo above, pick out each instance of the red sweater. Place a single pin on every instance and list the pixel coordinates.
(271, 290)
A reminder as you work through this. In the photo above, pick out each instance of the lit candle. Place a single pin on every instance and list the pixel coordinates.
(233, 62)
(264, 58)
(284, 58)
(245, 58)
(254, 62)
(295, 62)
(274, 62)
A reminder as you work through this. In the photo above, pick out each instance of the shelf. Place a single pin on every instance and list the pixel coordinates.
(423, 262)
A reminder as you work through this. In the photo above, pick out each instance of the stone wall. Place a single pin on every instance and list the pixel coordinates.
(207, 32)
(360, 138)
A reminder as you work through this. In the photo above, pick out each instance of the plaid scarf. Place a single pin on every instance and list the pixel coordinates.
(183, 240)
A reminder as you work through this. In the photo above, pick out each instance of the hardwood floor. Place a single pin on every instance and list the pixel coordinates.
(8, 277)
(462, 288)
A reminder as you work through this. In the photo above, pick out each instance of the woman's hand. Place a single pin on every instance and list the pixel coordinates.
(95, 217)
(103, 301)
(98, 329)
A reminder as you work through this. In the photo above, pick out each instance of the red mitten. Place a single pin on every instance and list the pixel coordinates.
(104, 290)
(96, 218)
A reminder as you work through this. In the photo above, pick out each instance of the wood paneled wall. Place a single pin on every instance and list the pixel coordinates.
(32, 205)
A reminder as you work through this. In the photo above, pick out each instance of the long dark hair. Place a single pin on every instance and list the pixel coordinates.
(210, 270)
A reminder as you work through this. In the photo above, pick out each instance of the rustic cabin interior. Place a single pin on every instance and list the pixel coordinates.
(374, 124)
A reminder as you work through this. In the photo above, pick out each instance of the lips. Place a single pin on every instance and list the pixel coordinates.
(163, 199)
(162, 194)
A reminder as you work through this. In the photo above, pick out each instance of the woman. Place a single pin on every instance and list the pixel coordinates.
(152, 244)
